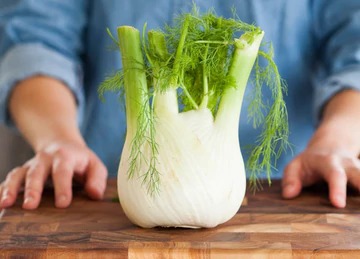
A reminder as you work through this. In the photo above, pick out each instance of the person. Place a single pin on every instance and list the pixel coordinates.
(54, 54)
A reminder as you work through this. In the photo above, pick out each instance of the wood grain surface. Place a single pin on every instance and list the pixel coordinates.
(266, 226)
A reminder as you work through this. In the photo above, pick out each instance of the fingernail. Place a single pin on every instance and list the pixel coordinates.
(28, 199)
(288, 189)
(62, 198)
(340, 200)
(61, 201)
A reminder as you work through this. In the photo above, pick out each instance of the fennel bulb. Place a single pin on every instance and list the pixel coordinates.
(183, 167)
(201, 186)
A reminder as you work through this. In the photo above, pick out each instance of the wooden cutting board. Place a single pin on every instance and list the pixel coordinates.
(265, 227)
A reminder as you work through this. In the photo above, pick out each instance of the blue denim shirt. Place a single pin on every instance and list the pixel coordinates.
(317, 49)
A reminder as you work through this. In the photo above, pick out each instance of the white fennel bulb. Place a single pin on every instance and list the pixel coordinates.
(202, 174)
(183, 167)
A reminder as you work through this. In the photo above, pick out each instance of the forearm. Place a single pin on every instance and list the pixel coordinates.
(44, 110)
(340, 123)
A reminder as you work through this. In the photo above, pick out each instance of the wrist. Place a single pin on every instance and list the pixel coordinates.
(337, 133)
(340, 124)
(332, 136)
(45, 112)
(60, 136)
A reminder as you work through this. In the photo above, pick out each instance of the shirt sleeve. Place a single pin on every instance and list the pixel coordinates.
(41, 38)
(337, 33)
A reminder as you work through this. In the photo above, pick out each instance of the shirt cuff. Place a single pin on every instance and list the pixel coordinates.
(26, 60)
(326, 89)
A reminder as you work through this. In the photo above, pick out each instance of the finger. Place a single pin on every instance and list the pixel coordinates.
(331, 170)
(34, 184)
(62, 173)
(337, 181)
(80, 166)
(11, 187)
(96, 178)
(353, 173)
(291, 182)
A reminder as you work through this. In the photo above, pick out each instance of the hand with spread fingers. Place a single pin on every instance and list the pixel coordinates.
(63, 162)
(332, 155)
(60, 150)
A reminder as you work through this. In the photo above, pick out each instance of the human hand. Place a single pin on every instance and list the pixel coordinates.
(337, 166)
(332, 153)
(62, 161)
